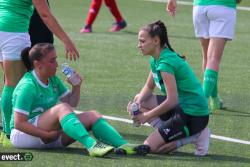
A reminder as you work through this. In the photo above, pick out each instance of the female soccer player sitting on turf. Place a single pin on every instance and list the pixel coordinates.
(183, 110)
(41, 121)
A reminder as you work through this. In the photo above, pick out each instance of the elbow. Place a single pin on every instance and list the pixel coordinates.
(74, 104)
(173, 102)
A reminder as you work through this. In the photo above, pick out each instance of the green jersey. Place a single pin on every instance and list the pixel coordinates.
(31, 97)
(190, 93)
(15, 15)
(228, 3)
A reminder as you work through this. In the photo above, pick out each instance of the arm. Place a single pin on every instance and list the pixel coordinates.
(170, 102)
(51, 22)
(171, 7)
(146, 90)
(73, 97)
(22, 124)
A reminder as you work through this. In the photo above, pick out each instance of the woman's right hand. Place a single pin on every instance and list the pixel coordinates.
(51, 136)
(129, 108)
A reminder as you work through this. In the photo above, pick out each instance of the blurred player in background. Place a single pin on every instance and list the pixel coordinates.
(94, 10)
(214, 22)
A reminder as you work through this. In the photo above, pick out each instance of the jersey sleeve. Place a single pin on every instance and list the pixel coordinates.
(23, 97)
(166, 67)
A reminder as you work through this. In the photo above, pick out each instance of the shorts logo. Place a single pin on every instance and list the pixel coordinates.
(166, 131)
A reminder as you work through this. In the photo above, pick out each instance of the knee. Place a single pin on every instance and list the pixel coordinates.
(63, 107)
(95, 114)
(153, 147)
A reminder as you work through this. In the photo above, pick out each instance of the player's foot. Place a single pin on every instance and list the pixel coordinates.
(99, 150)
(132, 149)
(215, 103)
(6, 142)
(202, 142)
(86, 29)
(118, 26)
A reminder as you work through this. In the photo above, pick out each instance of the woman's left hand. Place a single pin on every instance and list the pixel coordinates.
(142, 117)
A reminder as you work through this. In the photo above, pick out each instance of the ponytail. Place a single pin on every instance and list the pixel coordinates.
(159, 29)
(25, 58)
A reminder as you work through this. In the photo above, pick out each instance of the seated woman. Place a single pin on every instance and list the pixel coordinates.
(43, 116)
(181, 115)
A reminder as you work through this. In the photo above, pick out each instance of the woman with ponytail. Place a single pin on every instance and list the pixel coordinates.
(43, 114)
(180, 115)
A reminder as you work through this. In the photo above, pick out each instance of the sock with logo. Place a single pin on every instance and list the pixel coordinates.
(104, 132)
(210, 81)
(72, 126)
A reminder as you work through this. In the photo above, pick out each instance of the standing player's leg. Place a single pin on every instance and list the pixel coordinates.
(210, 84)
(219, 32)
(13, 71)
(120, 22)
(204, 45)
(92, 14)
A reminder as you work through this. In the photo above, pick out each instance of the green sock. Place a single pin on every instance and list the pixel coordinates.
(72, 126)
(6, 106)
(3, 122)
(214, 92)
(104, 132)
(210, 80)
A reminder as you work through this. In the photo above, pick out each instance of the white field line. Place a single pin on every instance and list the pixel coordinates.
(212, 136)
(190, 3)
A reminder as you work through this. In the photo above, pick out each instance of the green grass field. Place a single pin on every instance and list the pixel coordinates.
(114, 71)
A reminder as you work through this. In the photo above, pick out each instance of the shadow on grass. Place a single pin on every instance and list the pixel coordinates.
(231, 112)
(84, 152)
(211, 157)
(134, 137)
(182, 156)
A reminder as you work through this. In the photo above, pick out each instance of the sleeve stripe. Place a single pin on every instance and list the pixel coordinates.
(21, 111)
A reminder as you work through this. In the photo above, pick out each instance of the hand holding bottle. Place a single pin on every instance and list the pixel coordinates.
(72, 76)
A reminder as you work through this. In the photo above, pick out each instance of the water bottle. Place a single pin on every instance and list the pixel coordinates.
(135, 111)
(69, 73)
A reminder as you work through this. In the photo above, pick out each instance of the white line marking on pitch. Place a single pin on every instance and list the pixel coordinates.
(212, 135)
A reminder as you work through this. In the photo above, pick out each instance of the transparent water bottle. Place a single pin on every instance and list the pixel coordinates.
(135, 111)
(69, 73)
